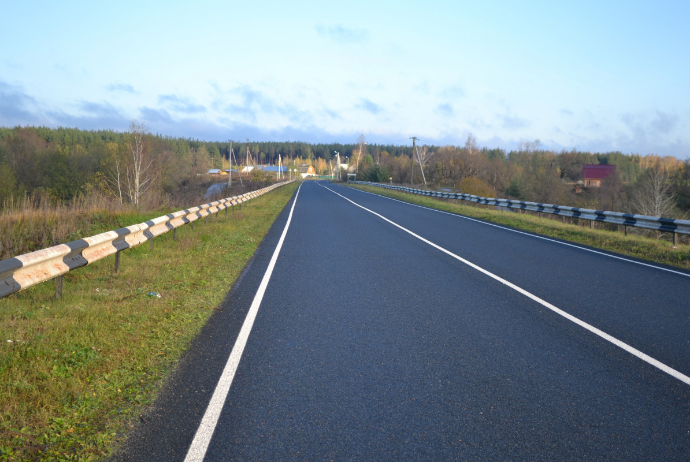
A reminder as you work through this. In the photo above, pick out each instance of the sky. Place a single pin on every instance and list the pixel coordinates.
(598, 76)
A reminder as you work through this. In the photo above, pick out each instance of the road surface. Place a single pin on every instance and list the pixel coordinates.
(370, 329)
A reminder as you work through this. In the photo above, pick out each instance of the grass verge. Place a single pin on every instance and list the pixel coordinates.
(75, 372)
(654, 250)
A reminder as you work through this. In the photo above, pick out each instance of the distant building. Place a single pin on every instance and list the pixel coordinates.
(593, 174)
(272, 168)
(263, 168)
(306, 170)
(216, 171)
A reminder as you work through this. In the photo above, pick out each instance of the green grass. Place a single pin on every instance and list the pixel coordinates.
(80, 370)
(659, 251)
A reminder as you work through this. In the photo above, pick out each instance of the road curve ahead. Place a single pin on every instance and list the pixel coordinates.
(370, 329)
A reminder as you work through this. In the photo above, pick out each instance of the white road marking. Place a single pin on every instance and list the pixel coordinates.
(202, 438)
(528, 234)
(680, 376)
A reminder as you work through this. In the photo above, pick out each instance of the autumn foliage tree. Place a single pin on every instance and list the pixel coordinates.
(476, 187)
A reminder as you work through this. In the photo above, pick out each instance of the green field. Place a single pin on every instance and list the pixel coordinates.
(656, 250)
(75, 373)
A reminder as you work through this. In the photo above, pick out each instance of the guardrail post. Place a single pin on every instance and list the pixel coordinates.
(117, 261)
(174, 234)
(151, 244)
(675, 239)
(58, 287)
(625, 229)
(591, 224)
(192, 226)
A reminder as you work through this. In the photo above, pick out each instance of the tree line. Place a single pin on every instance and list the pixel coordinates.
(59, 164)
(645, 184)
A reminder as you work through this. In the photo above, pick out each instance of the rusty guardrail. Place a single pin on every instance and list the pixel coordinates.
(23, 271)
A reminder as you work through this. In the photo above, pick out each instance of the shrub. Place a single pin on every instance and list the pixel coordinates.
(476, 187)
(376, 174)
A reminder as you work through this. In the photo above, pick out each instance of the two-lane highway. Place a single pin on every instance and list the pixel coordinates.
(379, 330)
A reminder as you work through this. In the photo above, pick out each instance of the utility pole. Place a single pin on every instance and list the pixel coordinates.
(237, 164)
(412, 164)
(230, 170)
(419, 159)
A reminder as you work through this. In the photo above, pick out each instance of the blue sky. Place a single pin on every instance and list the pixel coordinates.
(574, 74)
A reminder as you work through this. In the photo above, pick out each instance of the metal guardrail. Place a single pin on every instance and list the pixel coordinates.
(23, 271)
(669, 225)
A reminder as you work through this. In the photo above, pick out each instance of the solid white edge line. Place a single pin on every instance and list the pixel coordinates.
(202, 438)
(648, 359)
(523, 232)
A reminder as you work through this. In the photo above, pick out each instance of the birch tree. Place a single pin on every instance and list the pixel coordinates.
(361, 142)
(653, 196)
(139, 171)
(424, 154)
(114, 172)
(471, 144)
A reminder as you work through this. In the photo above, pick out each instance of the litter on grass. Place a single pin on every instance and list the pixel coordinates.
(154, 294)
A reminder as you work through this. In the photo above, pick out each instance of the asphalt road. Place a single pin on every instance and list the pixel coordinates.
(432, 342)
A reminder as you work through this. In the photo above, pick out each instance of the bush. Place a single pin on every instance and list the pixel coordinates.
(376, 174)
(476, 187)
(515, 190)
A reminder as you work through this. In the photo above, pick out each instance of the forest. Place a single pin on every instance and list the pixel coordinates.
(137, 168)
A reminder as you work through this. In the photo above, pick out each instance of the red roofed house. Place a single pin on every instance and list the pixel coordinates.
(593, 174)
